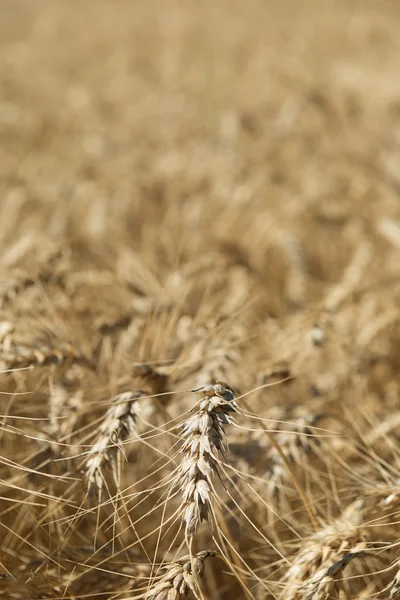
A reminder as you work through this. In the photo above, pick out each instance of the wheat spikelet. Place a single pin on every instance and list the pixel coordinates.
(204, 437)
(118, 425)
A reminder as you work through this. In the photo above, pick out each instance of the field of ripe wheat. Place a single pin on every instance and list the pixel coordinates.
(199, 300)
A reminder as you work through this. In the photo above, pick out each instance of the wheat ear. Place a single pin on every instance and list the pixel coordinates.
(22, 357)
(204, 441)
(118, 425)
(316, 571)
(180, 578)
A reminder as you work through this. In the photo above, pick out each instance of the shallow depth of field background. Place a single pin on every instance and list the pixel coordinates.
(211, 188)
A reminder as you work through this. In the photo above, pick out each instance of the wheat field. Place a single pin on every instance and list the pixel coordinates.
(199, 298)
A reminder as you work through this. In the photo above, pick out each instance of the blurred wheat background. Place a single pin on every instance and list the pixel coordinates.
(199, 196)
